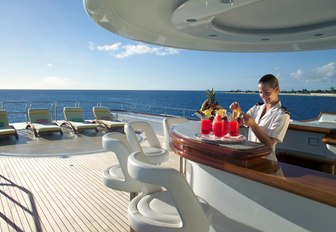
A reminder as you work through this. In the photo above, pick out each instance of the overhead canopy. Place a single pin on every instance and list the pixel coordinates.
(221, 25)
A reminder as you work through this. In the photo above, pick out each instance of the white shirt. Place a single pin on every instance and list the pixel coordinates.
(274, 123)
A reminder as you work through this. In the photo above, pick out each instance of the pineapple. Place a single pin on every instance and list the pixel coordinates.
(210, 106)
(211, 94)
(210, 101)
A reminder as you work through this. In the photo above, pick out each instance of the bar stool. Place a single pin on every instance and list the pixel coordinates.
(116, 177)
(174, 209)
(156, 154)
(167, 123)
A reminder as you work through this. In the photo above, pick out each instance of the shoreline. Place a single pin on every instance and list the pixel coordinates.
(289, 94)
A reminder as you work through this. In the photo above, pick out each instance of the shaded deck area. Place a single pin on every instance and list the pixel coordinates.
(52, 144)
(62, 192)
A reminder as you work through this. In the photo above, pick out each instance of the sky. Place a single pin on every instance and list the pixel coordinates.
(53, 44)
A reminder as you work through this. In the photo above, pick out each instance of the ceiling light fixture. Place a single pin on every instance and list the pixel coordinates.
(226, 1)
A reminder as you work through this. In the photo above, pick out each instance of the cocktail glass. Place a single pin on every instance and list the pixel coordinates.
(217, 128)
(205, 126)
(234, 128)
(226, 127)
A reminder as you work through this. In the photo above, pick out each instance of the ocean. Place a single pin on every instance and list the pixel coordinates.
(181, 103)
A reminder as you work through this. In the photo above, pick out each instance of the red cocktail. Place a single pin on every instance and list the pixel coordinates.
(234, 128)
(205, 126)
(217, 128)
(226, 126)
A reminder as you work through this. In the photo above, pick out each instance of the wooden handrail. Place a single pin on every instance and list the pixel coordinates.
(329, 140)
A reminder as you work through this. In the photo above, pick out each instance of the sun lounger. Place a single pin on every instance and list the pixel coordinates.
(74, 119)
(40, 122)
(105, 118)
(5, 128)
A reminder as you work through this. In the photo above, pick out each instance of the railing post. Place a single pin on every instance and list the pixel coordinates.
(27, 107)
(55, 111)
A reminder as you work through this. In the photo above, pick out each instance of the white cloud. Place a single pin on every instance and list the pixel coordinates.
(142, 49)
(111, 47)
(326, 72)
(298, 74)
(54, 82)
(50, 65)
(131, 50)
(106, 47)
(92, 46)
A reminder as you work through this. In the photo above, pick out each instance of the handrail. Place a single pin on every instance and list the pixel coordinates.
(20, 108)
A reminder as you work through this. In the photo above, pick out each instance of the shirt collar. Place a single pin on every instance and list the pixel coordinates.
(268, 113)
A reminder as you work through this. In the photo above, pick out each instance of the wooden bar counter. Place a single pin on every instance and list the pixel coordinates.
(251, 193)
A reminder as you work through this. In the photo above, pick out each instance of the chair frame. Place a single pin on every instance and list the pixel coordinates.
(35, 125)
(76, 125)
(187, 204)
(116, 142)
(130, 130)
(167, 123)
(109, 125)
(12, 131)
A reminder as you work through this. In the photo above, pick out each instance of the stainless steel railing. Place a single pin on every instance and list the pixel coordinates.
(17, 111)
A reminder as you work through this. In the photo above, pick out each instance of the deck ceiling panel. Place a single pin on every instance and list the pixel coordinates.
(221, 25)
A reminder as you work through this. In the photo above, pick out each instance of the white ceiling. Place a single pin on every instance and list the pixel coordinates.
(241, 26)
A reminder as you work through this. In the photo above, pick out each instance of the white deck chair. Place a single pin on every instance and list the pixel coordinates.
(167, 123)
(174, 209)
(116, 177)
(156, 154)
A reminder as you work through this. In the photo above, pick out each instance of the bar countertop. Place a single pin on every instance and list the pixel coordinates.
(247, 159)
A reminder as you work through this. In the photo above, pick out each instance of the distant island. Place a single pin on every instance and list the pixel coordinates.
(305, 92)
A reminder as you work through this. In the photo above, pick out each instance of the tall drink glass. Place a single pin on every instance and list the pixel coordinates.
(226, 126)
(205, 126)
(234, 128)
(217, 128)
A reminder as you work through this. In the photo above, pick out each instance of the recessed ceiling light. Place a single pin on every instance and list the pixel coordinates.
(191, 20)
(226, 1)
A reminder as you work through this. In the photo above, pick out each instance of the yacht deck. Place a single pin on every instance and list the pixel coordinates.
(62, 192)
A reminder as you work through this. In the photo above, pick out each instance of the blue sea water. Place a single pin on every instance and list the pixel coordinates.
(149, 101)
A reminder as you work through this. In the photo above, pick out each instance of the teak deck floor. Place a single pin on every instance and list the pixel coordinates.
(61, 194)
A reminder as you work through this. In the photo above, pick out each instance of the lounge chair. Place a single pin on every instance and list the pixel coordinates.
(40, 121)
(74, 119)
(105, 118)
(5, 128)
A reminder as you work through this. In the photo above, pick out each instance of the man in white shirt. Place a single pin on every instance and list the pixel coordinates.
(268, 121)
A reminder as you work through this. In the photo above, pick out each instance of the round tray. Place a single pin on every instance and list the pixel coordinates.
(211, 138)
